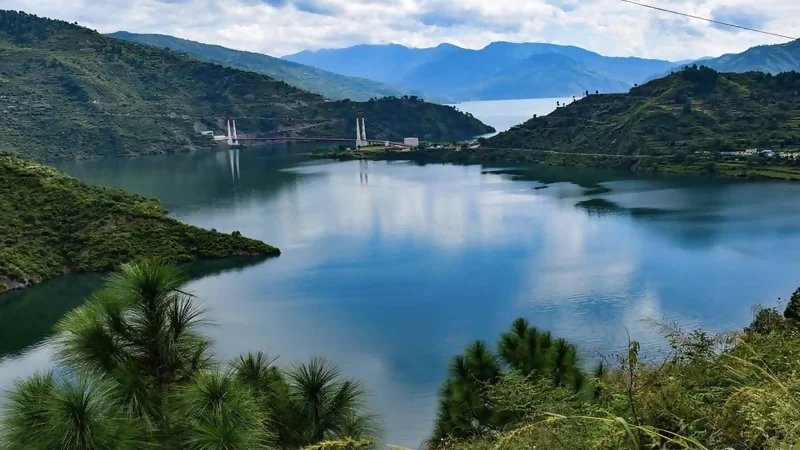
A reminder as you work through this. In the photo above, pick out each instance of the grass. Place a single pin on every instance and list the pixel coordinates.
(51, 224)
(736, 390)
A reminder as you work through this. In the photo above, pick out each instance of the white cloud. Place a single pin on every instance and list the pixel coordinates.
(279, 27)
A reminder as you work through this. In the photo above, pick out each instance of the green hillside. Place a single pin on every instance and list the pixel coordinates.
(764, 58)
(697, 109)
(69, 92)
(52, 224)
(330, 85)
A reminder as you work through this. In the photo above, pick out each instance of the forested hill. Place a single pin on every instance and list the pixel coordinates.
(697, 109)
(329, 84)
(70, 92)
(52, 224)
(764, 58)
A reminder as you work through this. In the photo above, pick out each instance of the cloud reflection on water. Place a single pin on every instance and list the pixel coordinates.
(391, 268)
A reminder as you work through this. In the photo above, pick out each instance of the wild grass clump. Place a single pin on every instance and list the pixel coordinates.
(735, 390)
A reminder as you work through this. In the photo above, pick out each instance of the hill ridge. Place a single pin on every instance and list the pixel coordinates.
(328, 84)
(51, 224)
(70, 92)
(694, 110)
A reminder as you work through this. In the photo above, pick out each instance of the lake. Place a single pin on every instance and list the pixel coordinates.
(390, 268)
(504, 114)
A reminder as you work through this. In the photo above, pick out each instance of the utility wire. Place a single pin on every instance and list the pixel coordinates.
(710, 20)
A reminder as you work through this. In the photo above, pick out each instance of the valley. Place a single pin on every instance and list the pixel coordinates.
(513, 245)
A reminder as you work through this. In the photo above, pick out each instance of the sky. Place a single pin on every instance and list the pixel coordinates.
(281, 27)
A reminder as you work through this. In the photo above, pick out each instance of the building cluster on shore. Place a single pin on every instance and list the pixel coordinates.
(765, 153)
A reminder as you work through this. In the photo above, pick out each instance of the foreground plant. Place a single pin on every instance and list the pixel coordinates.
(135, 371)
(730, 390)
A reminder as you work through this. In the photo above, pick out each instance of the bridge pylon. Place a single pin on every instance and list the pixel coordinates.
(233, 138)
(361, 131)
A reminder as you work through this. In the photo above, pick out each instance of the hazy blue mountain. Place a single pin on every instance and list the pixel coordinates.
(386, 63)
(764, 58)
(534, 77)
(331, 85)
(501, 70)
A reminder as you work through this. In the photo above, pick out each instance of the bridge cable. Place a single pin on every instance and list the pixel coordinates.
(381, 127)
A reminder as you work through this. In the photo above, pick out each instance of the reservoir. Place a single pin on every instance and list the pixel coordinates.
(391, 268)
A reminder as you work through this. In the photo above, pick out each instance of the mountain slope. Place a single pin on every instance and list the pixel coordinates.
(692, 110)
(390, 63)
(52, 224)
(69, 92)
(765, 58)
(328, 84)
(497, 71)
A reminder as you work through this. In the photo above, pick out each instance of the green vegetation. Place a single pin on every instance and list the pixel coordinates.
(694, 110)
(689, 122)
(465, 408)
(711, 164)
(733, 390)
(143, 377)
(773, 59)
(329, 84)
(52, 224)
(70, 92)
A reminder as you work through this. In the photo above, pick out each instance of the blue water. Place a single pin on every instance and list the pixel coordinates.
(389, 269)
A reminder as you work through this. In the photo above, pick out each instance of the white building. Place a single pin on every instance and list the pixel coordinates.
(411, 141)
(207, 133)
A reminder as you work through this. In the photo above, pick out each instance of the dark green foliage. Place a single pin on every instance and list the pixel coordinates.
(466, 408)
(328, 84)
(69, 92)
(307, 404)
(51, 224)
(731, 390)
(45, 413)
(694, 110)
(793, 308)
(138, 374)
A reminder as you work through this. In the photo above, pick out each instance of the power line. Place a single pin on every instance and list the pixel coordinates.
(710, 20)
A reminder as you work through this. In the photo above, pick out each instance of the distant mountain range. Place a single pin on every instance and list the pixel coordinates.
(331, 85)
(499, 71)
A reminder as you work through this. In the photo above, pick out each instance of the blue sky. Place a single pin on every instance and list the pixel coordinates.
(279, 27)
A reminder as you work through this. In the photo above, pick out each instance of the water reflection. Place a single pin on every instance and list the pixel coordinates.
(391, 268)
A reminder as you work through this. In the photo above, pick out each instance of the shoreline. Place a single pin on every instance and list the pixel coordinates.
(633, 163)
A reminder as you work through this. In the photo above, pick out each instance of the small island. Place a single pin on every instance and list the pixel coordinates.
(52, 224)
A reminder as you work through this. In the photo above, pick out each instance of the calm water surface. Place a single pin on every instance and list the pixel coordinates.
(391, 268)
(504, 114)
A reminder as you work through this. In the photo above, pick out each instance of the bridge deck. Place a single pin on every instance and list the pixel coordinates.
(316, 139)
